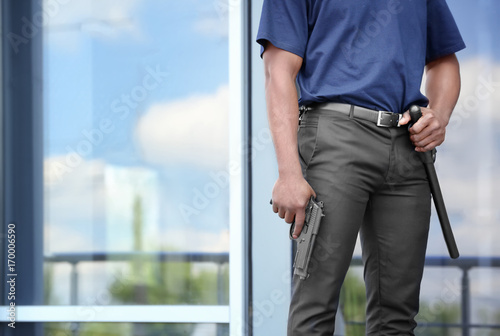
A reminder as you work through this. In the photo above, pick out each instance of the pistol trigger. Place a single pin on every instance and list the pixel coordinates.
(308, 214)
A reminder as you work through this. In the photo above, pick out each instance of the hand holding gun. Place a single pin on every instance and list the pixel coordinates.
(428, 161)
(307, 237)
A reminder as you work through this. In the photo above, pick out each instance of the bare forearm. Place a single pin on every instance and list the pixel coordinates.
(443, 86)
(282, 112)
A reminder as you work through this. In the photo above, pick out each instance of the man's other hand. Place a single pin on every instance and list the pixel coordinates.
(429, 131)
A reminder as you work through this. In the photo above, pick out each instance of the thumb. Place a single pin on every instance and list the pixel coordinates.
(405, 119)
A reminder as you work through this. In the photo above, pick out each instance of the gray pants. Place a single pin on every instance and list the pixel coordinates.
(372, 182)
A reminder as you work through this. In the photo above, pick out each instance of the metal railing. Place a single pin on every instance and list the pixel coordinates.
(162, 256)
(465, 264)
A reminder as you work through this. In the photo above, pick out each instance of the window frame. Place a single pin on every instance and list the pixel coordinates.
(22, 178)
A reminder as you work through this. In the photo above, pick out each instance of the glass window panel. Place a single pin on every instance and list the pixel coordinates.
(135, 152)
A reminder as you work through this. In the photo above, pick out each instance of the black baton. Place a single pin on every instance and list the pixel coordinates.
(428, 161)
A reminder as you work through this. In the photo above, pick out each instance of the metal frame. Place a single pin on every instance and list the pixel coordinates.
(130, 313)
(238, 204)
(22, 156)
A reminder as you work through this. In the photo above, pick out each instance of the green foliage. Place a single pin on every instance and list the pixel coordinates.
(117, 329)
(150, 281)
(437, 312)
(48, 283)
(488, 316)
(174, 283)
(353, 304)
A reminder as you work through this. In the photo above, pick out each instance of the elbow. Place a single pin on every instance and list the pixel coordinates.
(278, 75)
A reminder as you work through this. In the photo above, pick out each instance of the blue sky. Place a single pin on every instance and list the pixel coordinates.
(82, 85)
(478, 22)
(87, 70)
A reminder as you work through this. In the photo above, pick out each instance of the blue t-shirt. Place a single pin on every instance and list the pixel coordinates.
(370, 53)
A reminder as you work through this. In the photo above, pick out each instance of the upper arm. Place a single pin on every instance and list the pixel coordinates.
(449, 61)
(281, 63)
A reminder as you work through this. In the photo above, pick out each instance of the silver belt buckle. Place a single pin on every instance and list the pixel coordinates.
(379, 118)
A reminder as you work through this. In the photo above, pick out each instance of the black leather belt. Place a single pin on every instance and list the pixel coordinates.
(380, 118)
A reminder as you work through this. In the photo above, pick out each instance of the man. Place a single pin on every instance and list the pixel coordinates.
(351, 59)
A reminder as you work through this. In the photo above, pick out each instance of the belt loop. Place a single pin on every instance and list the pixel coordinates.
(351, 112)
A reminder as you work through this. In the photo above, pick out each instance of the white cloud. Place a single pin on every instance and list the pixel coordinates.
(74, 12)
(213, 26)
(61, 239)
(190, 239)
(91, 208)
(191, 130)
(73, 200)
(69, 22)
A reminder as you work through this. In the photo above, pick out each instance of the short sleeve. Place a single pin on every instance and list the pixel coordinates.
(284, 24)
(443, 36)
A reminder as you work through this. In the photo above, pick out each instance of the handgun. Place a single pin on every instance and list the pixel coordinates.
(305, 241)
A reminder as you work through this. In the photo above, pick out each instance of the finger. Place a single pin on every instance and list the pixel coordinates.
(422, 140)
(281, 212)
(424, 143)
(405, 119)
(275, 207)
(289, 216)
(427, 147)
(418, 127)
(299, 223)
(430, 142)
(417, 137)
(427, 136)
(421, 124)
(423, 128)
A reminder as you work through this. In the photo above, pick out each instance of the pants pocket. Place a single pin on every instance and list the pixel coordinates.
(307, 139)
